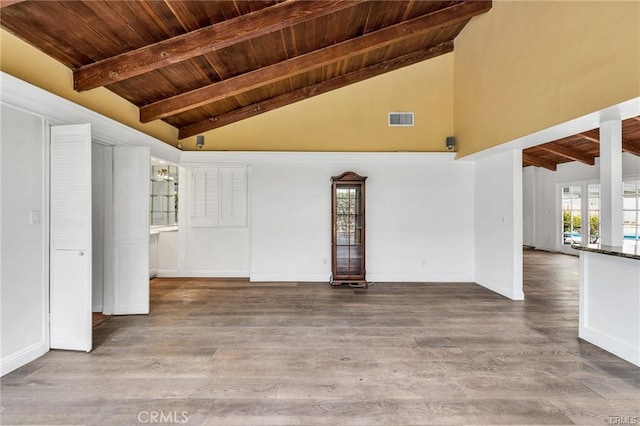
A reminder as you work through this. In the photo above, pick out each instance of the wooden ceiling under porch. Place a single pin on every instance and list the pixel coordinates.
(583, 147)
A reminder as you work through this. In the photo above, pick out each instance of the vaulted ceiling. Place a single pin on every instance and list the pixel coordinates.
(200, 65)
(583, 147)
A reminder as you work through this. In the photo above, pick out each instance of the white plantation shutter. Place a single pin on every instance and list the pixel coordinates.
(233, 199)
(219, 197)
(205, 198)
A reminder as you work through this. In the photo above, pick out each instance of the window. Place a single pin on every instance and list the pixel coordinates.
(593, 191)
(163, 205)
(571, 214)
(631, 211)
(219, 197)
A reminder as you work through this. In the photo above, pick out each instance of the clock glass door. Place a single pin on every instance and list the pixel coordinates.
(348, 231)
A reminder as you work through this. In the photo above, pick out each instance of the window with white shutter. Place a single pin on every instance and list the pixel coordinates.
(233, 196)
(219, 197)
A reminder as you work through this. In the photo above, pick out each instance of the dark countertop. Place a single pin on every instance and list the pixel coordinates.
(630, 251)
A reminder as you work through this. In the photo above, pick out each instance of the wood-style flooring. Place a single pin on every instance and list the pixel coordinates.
(98, 318)
(230, 352)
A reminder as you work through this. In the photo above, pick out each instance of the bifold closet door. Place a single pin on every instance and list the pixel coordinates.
(70, 255)
(131, 168)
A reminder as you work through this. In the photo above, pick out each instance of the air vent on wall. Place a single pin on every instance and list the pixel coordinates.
(400, 119)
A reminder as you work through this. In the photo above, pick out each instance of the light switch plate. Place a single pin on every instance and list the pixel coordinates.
(34, 217)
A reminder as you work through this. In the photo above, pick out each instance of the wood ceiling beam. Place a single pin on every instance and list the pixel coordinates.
(630, 148)
(626, 145)
(535, 161)
(317, 89)
(6, 3)
(233, 86)
(204, 40)
(588, 138)
(568, 153)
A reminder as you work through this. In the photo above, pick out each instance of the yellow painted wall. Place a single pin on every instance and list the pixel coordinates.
(354, 118)
(527, 65)
(349, 119)
(521, 67)
(31, 65)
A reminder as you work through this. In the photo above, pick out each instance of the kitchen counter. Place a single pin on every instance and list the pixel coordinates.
(609, 298)
(631, 251)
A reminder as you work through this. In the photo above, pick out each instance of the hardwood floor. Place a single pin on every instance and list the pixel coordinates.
(97, 318)
(230, 352)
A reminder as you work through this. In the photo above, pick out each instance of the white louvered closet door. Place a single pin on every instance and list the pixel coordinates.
(131, 166)
(70, 256)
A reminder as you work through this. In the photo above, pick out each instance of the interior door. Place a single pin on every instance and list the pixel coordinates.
(131, 166)
(70, 258)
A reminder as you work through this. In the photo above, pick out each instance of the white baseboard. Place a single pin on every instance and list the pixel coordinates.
(611, 344)
(269, 277)
(502, 290)
(167, 273)
(543, 248)
(71, 343)
(22, 357)
(214, 273)
(420, 278)
(130, 309)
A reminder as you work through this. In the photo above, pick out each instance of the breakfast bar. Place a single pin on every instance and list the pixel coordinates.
(609, 311)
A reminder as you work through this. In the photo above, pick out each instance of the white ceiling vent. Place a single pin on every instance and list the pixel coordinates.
(401, 119)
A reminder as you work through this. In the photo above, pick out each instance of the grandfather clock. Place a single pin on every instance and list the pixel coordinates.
(348, 230)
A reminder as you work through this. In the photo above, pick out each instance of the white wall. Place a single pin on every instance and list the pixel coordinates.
(24, 256)
(291, 221)
(419, 218)
(498, 223)
(167, 254)
(543, 191)
(215, 252)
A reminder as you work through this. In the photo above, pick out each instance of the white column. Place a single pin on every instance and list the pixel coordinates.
(611, 182)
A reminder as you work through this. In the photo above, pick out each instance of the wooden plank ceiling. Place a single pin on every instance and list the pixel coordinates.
(583, 147)
(200, 65)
